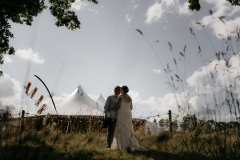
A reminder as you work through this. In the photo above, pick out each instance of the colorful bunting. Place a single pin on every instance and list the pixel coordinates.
(41, 109)
(52, 126)
(33, 92)
(28, 86)
(45, 119)
(39, 100)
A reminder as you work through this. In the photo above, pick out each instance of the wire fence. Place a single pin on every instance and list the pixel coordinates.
(63, 123)
(83, 124)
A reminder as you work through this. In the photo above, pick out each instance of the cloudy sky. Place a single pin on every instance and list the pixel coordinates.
(108, 51)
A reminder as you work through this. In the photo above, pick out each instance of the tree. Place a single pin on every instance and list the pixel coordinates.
(164, 122)
(219, 126)
(234, 2)
(189, 122)
(174, 124)
(186, 122)
(232, 125)
(22, 11)
(161, 122)
(206, 127)
(193, 124)
(194, 4)
(155, 120)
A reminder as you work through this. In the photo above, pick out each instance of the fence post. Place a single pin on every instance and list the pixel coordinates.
(170, 121)
(22, 120)
(238, 123)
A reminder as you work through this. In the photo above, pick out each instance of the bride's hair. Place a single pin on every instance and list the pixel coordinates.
(125, 89)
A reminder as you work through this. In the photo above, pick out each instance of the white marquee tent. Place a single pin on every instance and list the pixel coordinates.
(100, 101)
(78, 103)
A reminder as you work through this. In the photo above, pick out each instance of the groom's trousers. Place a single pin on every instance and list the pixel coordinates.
(111, 128)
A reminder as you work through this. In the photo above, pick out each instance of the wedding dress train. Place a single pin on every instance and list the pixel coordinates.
(123, 134)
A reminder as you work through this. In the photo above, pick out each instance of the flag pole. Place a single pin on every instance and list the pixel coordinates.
(48, 92)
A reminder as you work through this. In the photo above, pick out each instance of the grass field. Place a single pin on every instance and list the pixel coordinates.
(42, 145)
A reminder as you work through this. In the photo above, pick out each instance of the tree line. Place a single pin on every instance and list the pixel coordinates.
(190, 123)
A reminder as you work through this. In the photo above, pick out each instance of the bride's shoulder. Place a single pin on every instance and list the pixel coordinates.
(120, 97)
(126, 99)
(129, 98)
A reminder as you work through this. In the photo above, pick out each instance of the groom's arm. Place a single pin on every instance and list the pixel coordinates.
(107, 105)
(117, 105)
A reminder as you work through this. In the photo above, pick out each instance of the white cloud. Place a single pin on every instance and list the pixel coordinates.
(11, 105)
(57, 100)
(200, 102)
(213, 83)
(94, 11)
(197, 106)
(7, 59)
(9, 88)
(183, 9)
(156, 70)
(128, 18)
(78, 4)
(216, 73)
(221, 8)
(135, 5)
(66, 95)
(29, 55)
(134, 96)
(156, 11)
(93, 97)
(17, 110)
(14, 109)
(226, 29)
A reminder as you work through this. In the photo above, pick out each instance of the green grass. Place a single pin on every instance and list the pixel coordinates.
(42, 145)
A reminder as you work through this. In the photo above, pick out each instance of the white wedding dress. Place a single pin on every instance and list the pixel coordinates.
(123, 134)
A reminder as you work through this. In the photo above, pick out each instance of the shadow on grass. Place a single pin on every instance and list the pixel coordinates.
(44, 152)
(153, 154)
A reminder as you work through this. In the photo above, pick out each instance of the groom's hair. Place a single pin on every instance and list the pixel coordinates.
(116, 88)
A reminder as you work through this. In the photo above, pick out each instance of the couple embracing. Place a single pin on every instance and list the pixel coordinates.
(120, 130)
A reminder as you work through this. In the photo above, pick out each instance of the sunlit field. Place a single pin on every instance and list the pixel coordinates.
(204, 124)
(41, 143)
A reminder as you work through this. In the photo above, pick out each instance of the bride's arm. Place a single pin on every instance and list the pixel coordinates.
(117, 105)
(131, 106)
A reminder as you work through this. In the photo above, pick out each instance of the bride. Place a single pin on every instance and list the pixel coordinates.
(123, 135)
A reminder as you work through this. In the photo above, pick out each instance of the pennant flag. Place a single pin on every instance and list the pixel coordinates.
(33, 92)
(45, 119)
(52, 126)
(28, 86)
(39, 100)
(41, 109)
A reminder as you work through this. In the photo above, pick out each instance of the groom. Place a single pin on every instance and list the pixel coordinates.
(112, 115)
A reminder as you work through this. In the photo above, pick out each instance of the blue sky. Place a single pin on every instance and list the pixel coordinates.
(108, 51)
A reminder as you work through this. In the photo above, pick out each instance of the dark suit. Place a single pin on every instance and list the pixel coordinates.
(112, 117)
